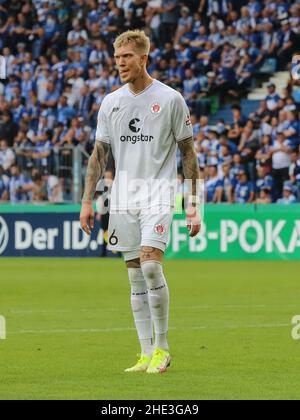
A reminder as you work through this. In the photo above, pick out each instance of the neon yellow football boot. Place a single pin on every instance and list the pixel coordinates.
(141, 365)
(160, 361)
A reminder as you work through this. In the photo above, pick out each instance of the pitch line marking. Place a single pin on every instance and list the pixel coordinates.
(109, 330)
(66, 311)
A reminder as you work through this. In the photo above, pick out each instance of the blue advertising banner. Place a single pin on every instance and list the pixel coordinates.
(47, 234)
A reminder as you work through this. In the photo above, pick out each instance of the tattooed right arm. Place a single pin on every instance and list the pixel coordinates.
(95, 169)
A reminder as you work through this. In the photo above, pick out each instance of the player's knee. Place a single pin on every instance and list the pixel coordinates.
(134, 275)
(137, 281)
(152, 272)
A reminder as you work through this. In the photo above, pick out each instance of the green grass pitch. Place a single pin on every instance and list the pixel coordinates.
(70, 332)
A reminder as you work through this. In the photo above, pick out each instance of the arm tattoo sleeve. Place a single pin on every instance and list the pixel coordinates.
(95, 169)
(190, 162)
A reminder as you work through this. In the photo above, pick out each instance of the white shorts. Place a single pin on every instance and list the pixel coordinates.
(129, 231)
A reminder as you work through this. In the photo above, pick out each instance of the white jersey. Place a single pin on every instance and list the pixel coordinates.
(143, 131)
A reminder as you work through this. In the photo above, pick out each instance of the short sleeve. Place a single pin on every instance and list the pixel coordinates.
(102, 131)
(181, 121)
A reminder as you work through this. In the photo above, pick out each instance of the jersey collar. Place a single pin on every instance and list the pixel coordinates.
(143, 91)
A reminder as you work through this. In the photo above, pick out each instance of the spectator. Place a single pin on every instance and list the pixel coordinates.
(191, 90)
(42, 81)
(23, 149)
(54, 188)
(76, 33)
(239, 122)
(184, 54)
(27, 85)
(169, 20)
(17, 110)
(216, 22)
(9, 59)
(175, 74)
(93, 14)
(268, 40)
(137, 14)
(264, 155)
(287, 44)
(8, 129)
(51, 29)
(280, 162)
(264, 196)
(212, 7)
(205, 57)
(264, 180)
(208, 89)
(4, 186)
(294, 172)
(213, 185)
(99, 56)
(272, 99)
(93, 82)
(169, 53)
(248, 147)
(116, 20)
(245, 73)
(64, 112)
(42, 154)
(20, 186)
(7, 156)
(153, 17)
(262, 113)
(39, 188)
(51, 99)
(288, 196)
(211, 144)
(228, 183)
(244, 190)
(292, 130)
(85, 103)
(184, 24)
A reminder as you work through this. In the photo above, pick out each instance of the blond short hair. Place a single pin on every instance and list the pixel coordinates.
(138, 38)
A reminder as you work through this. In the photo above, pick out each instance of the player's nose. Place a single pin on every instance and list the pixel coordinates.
(122, 62)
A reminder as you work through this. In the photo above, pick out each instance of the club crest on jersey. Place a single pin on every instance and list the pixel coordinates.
(155, 108)
(159, 229)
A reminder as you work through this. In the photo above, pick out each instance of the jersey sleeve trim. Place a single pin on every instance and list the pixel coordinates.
(103, 141)
(184, 138)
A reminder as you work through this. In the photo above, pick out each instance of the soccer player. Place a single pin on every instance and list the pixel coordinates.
(142, 123)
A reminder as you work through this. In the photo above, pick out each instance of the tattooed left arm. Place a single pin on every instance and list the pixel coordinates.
(192, 173)
(190, 162)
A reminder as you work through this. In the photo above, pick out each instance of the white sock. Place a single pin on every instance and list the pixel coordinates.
(141, 310)
(158, 294)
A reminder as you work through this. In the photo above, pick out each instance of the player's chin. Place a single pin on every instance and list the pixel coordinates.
(125, 78)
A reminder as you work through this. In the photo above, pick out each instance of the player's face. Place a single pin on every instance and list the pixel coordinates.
(130, 64)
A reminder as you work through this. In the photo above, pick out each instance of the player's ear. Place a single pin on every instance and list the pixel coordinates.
(144, 59)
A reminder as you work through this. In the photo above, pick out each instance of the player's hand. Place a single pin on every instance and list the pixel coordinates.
(193, 220)
(87, 217)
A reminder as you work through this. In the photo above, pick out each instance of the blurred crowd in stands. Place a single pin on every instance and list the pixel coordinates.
(59, 66)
